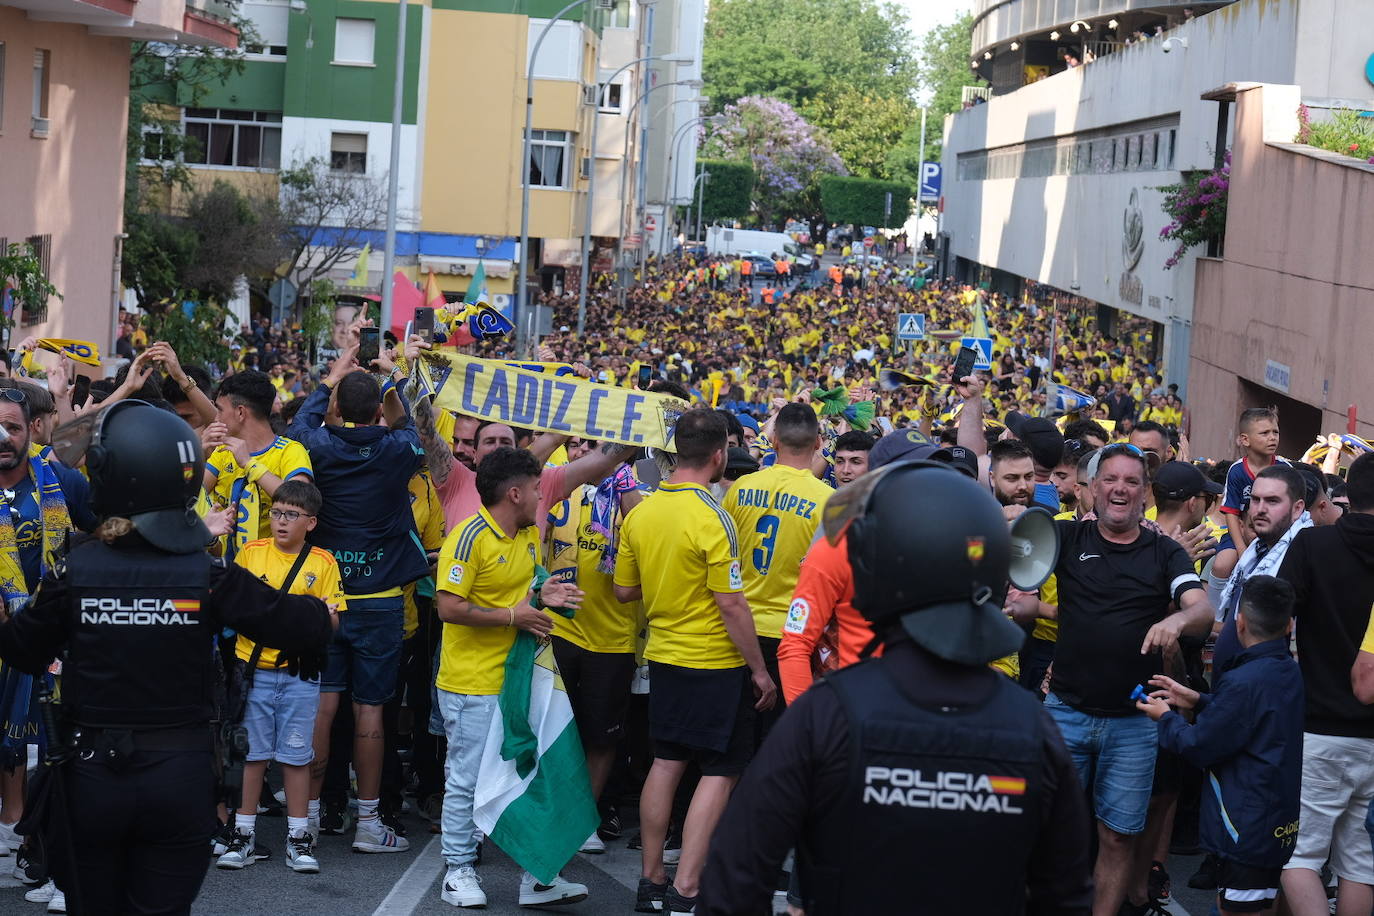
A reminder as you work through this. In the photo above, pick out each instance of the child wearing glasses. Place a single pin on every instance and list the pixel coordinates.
(279, 714)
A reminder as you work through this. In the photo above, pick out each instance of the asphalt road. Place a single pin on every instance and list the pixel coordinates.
(406, 883)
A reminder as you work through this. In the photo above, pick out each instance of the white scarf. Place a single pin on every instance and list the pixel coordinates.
(1266, 565)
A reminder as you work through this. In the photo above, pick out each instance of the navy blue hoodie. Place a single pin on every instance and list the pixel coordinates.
(362, 473)
(1248, 737)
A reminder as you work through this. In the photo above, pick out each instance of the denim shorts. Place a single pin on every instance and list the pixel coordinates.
(365, 655)
(280, 717)
(1115, 759)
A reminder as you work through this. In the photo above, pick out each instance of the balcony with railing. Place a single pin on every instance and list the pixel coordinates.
(198, 22)
(1015, 42)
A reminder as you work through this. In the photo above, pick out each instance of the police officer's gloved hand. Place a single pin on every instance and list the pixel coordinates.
(307, 666)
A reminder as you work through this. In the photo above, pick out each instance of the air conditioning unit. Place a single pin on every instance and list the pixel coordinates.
(586, 166)
(591, 95)
(605, 4)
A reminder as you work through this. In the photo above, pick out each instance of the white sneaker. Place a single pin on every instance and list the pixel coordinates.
(241, 852)
(532, 893)
(58, 903)
(42, 893)
(374, 836)
(462, 887)
(594, 846)
(300, 854)
(9, 840)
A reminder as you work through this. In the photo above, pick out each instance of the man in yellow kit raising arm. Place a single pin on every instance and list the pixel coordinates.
(776, 512)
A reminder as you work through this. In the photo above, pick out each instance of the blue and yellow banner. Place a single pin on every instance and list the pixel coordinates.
(499, 391)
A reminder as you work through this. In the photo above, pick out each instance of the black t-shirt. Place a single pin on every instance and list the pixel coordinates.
(1109, 596)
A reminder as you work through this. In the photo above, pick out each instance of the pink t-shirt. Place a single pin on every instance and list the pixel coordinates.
(458, 495)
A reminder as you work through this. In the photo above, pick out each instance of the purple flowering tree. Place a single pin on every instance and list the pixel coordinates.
(1197, 209)
(789, 155)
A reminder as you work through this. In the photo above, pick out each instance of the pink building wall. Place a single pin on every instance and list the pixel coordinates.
(1295, 288)
(71, 184)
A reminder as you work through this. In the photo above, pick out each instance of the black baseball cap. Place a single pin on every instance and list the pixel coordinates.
(964, 460)
(1043, 438)
(740, 459)
(1179, 480)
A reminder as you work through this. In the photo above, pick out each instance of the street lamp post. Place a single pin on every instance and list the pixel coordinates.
(634, 207)
(394, 176)
(524, 314)
(591, 181)
(669, 175)
(702, 180)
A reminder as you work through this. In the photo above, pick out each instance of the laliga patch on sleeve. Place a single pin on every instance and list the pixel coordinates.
(455, 574)
(736, 580)
(796, 617)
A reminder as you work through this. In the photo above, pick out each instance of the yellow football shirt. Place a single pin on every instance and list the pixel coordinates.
(1048, 630)
(1367, 644)
(429, 524)
(318, 576)
(601, 624)
(680, 546)
(776, 512)
(285, 458)
(480, 563)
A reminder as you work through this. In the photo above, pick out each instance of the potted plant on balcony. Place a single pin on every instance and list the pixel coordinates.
(1346, 132)
(23, 284)
(1196, 207)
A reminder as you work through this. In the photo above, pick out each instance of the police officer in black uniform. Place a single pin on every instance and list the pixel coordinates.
(922, 781)
(133, 613)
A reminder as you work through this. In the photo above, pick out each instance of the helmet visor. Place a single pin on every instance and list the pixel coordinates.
(72, 439)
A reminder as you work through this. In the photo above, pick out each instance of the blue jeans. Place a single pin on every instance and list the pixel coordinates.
(280, 717)
(466, 720)
(1115, 759)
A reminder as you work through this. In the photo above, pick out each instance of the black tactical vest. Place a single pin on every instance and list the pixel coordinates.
(139, 655)
(941, 809)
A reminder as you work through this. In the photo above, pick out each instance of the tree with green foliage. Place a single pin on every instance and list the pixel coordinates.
(788, 156)
(942, 74)
(726, 193)
(798, 50)
(863, 201)
(327, 217)
(863, 128)
(23, 282)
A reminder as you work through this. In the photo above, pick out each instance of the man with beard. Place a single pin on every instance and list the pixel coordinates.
(1116, 582)
(45, 499)
(679, 552)
(1277, 512)
(1012, 471)
(465, 440)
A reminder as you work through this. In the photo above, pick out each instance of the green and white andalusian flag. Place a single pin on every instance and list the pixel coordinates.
(533, 797)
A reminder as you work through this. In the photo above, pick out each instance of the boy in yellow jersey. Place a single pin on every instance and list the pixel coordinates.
(280, 711)
(680, 554)
(595, 649)
(776, 512)
(245, 472)
(485, 578)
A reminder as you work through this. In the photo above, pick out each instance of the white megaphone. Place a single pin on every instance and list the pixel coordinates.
(1034, 549)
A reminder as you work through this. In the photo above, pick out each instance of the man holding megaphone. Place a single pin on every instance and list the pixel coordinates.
(924, 756)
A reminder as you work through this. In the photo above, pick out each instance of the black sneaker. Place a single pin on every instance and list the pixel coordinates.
(219, 842)
(27, 867)
(634, 841)
(649, 897)
(610, 825)
(334, 819)
(392, 820)
(673, 902)
(1205, 878)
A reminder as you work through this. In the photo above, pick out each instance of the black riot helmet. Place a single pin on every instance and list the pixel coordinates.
(931, 548)
(146, 465)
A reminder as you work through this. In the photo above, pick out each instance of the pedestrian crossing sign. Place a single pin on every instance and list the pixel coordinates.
(984, 347)
(911, 326)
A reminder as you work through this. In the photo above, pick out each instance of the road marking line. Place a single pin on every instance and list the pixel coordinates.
(412, 886)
